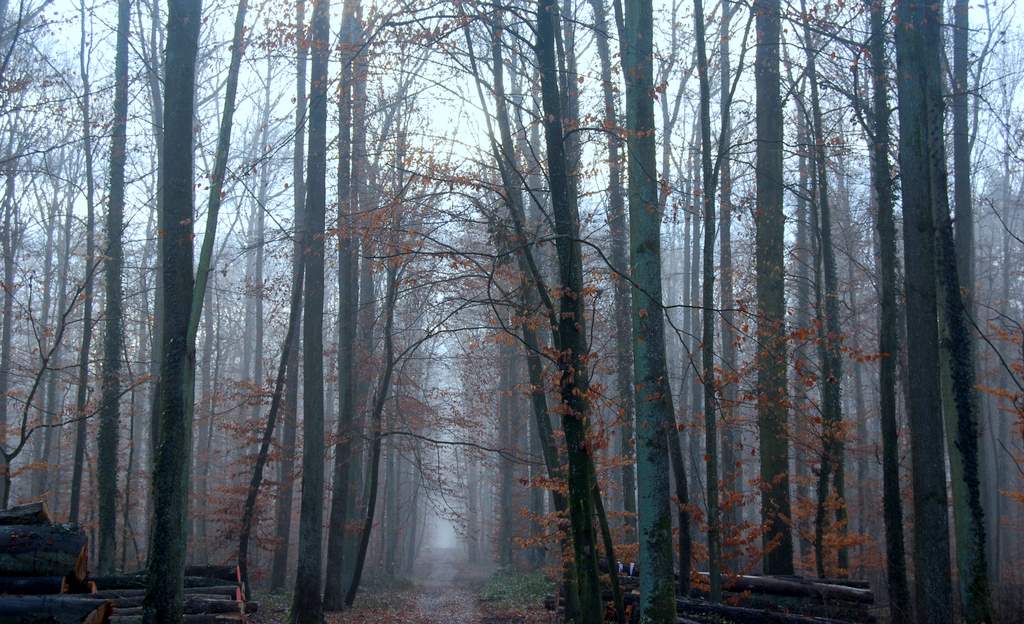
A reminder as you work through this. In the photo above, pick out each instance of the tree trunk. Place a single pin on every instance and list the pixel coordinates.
(171, 466)
(366, 314)
(923, 171)
(617, 231)
(9, 241)
(804, 305)
(708, 185)
(731, 474)
(82, 394)
(348, 304)
(571, 327)
(286, 468)
(307, 604)
(888, 322)
(383, 390)
(777, 540)
(957, 257)
(508, 511)
(831, 470)
(653, 397)
(110, 409)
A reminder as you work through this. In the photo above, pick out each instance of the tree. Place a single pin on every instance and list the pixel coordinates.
(958, 275)
(166, 564)
(307, 601)
(571, 320)
(617, 230)
(708, 184)
(348, 306)
(771, 331)
(653, 397)
(888, 322)
(286, 468)
(830, 470)
(112, 339)
(730, 471)
(82, 394)
(923, 176)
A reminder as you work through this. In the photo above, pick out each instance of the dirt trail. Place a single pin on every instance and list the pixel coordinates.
(446, 587)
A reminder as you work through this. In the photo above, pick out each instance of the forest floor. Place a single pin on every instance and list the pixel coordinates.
(446, 589)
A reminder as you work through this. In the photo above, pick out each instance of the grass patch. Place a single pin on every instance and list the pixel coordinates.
(511, 589)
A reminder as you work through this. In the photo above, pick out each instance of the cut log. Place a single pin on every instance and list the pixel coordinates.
(132, 602)
(194, 605)
(231, 592)
(799, 588)
(702, 610)
(43, 550)
(216, 618)
(857, 583)
(138, 581)
(53, 610)
(222, 573)
(32, 513)
(228, 573)
(845, 611)
(33, 585)
(742, 615)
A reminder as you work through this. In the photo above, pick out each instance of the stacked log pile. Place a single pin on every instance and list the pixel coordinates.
(752, 599)
(43, 571)
(213, 595)
(44, 580)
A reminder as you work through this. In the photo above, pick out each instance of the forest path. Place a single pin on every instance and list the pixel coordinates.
(447, 586)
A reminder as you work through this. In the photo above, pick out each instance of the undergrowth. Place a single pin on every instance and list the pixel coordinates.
(512, 589)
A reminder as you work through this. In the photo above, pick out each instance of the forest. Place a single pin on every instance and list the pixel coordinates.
(488, 312)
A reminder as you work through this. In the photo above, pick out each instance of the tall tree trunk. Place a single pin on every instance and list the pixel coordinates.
(505, 390)
(366, 311)
(154, 62)
(165, 569)
(617, 231)
(708, 185)
(112, 339)
(653, 398)
(958, 274)
(777, 540)
(888, 322)
(923, 171)
(383, 389)
(804, 305)
(571, 327)
(348, 304)
(286, 468)
(82, 395)
(208, 395)
(307, 603)
(831, 469)
(731, 474)
(9, 240)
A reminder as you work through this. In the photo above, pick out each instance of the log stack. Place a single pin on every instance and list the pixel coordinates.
(213, 595)
(43, 566)
(44, 579)
(750, 599)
